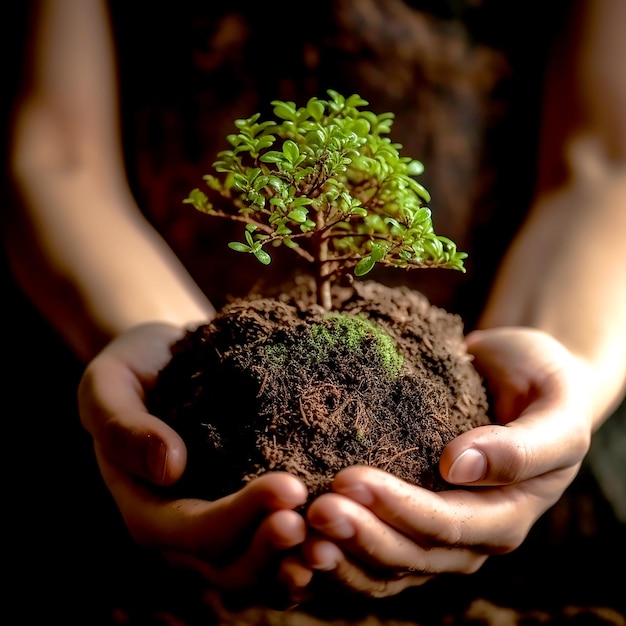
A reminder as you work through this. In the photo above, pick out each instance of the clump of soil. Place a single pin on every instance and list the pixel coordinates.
(277, 383)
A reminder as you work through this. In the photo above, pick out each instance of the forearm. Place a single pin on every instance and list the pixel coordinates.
(565, 275)
(84, 255)
(566, 271)
(76, 240)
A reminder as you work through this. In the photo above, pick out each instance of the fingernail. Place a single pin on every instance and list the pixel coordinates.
(325, 557)
(339, 528)
(155, 459)
(357, 492)
(468, 467)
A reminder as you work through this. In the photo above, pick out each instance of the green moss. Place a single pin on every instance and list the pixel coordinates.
(277, 353)
(336, 334)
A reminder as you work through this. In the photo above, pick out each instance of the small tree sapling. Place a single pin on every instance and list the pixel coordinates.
(326, 181)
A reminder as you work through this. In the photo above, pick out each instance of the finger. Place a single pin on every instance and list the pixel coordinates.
(521, 367)
(485, 521)
(199, 526)
(550, 433)
(296, 577)
(543, 406)
(124, 432)
(259, 563)
(327, 557)
(111, 401)
(383, 546)
(145, 349)
(538, 443)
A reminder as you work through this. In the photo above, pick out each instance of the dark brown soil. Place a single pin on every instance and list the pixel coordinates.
(276, 383)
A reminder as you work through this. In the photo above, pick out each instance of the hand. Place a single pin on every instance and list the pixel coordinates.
(232, 541)
(378, 535)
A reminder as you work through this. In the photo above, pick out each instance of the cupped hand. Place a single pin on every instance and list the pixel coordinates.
(234, 541)
(376, 534)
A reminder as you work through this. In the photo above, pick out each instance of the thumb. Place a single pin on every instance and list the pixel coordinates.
(512, 453)
(123, 432)
(147, 448)
(540, 411)
(487, 457)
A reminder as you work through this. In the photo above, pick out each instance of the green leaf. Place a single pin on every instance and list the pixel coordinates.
(198, 199)
(423, 214)
(361, 127)
(272, 156)
(415, 168)
(364, 266)
(355, 100)
(263, 257)
(283, 230)
(421, 191)
(390, 221)
(301, 201)
(291, 150)
(378, 252)
(284, 110)
(237, 246)
(264, 142)
(298, 215)
(315, 108)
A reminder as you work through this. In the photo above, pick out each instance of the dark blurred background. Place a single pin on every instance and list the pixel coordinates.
(69, 558)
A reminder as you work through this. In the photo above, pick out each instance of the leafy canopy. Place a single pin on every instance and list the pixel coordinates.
(326, 181)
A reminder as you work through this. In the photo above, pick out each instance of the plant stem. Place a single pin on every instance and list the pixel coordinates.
(322, 277)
